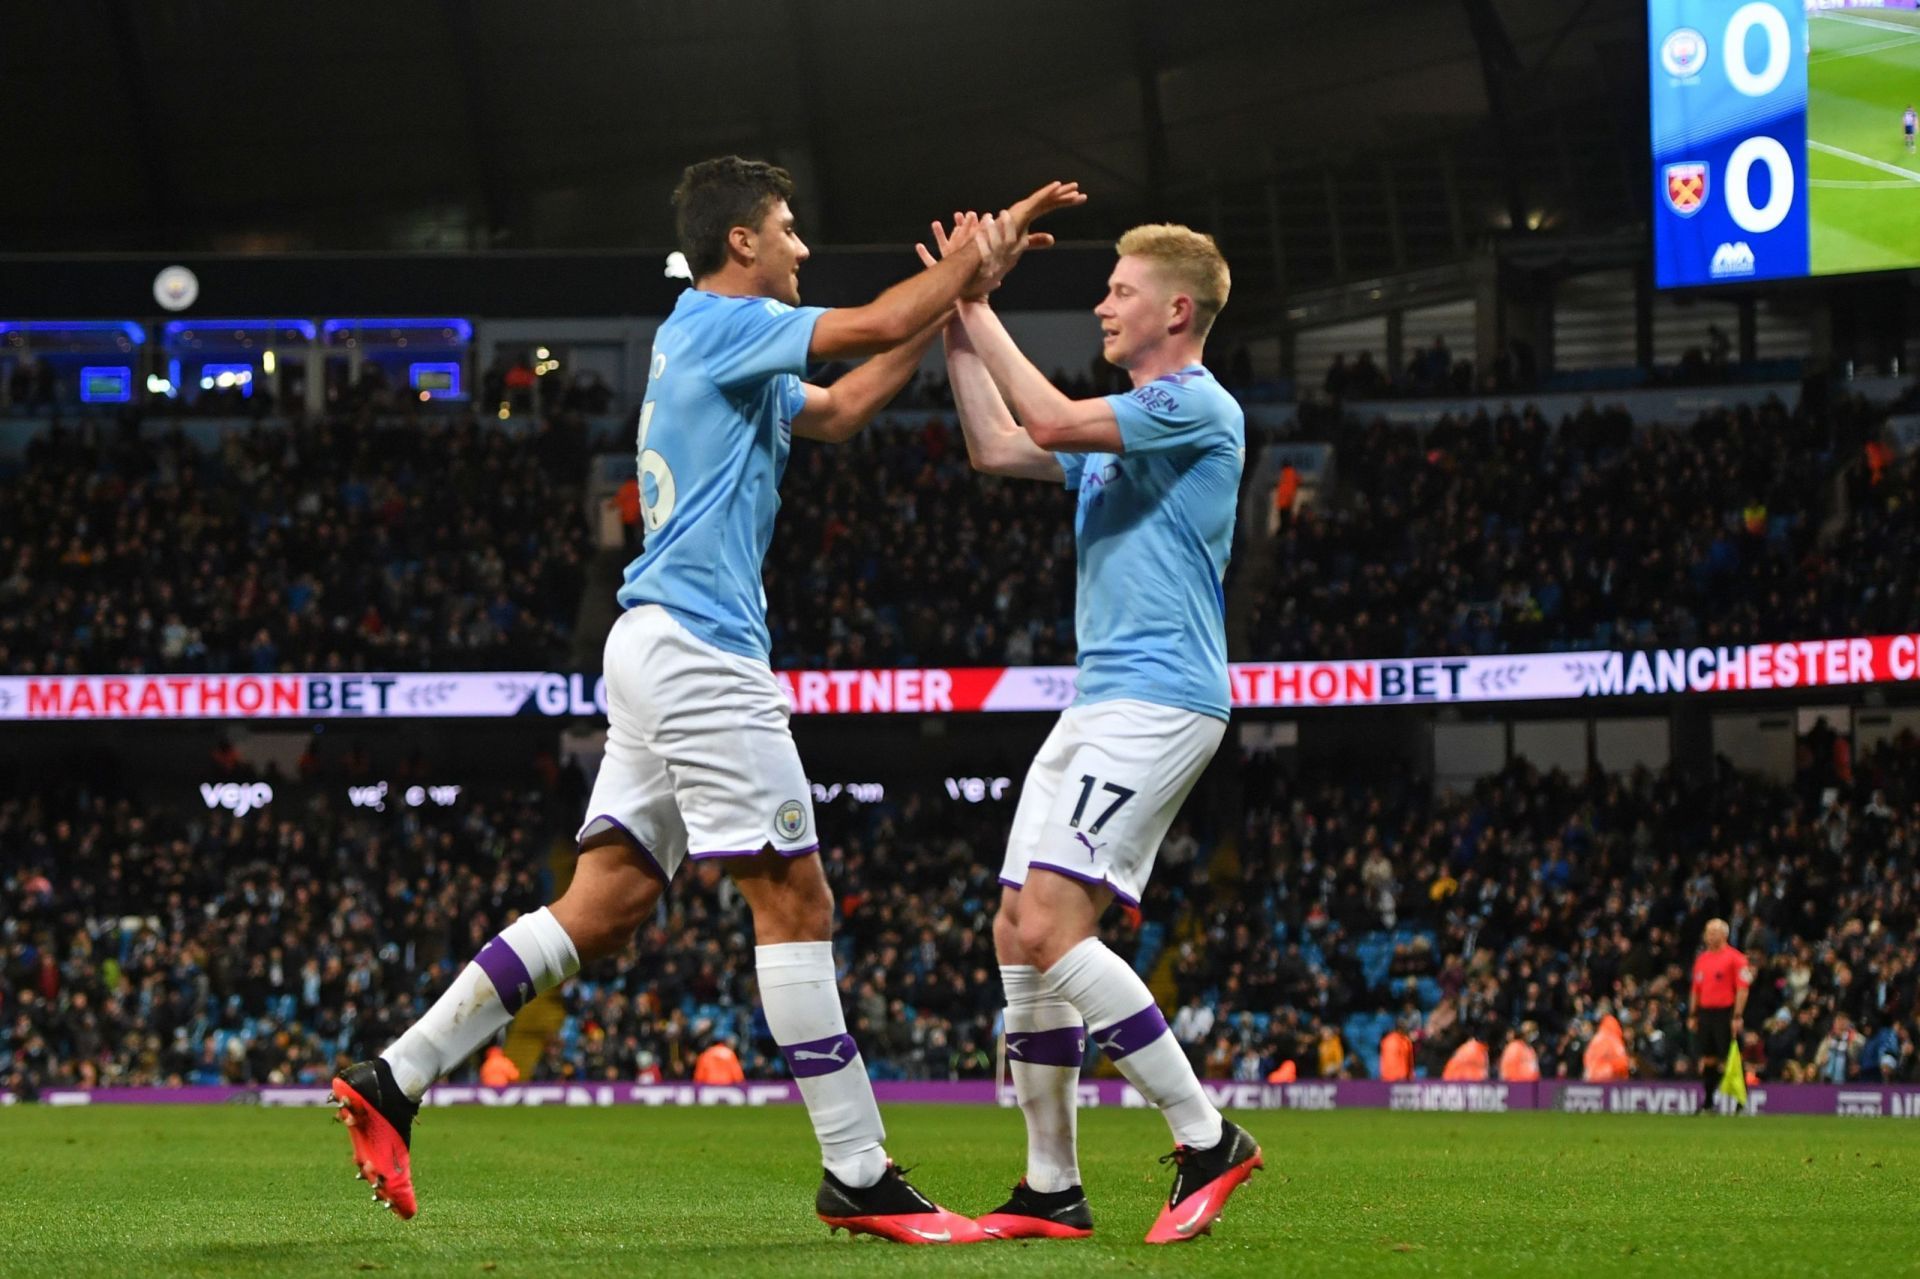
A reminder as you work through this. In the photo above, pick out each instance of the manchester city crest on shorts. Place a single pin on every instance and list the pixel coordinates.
(791, 820)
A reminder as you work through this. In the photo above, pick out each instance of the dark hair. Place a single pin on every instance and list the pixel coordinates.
(715, 196)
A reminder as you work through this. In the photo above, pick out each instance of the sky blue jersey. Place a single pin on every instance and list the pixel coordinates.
(1154, 530)
(715, 430)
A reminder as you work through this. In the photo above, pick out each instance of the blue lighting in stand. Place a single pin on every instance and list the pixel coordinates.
(463, 331)
(127, 328)
(179, 328)
(106, 384)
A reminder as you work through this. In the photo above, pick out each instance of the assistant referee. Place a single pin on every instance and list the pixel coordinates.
(1720, 980)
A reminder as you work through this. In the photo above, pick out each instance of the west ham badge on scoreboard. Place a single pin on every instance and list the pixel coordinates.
(1686, 187)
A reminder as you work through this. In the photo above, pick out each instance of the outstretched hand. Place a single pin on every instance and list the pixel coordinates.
(1004, 237)
(966, 226)
(1048, 199)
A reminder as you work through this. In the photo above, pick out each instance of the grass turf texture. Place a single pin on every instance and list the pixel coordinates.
(556, 1191)
(1863, 70)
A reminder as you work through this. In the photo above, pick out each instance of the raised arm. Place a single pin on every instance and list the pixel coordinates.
(995, 442)
(835, 414)
(917, 302)
(1053, 420)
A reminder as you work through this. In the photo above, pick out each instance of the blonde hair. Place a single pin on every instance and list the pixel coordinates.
(1191, 259)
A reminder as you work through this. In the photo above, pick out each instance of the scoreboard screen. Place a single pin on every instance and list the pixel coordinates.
(1783, 136)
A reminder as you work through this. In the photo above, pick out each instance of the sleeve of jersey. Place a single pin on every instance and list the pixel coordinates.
(793, 395)
(1162, 417)
(1071, 464)
(761, 339)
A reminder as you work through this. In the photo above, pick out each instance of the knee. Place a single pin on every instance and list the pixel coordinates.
(604, 924)
(1037, 937)
(802, 911)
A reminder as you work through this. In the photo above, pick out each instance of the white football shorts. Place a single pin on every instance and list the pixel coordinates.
(700, 761)
(1103, 790)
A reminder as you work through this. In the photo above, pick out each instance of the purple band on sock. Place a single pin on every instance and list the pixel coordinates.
(820, 1056)
(508, 973)
(1066, 1046)
(1131, 1034)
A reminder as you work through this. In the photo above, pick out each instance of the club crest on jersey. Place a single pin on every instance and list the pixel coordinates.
(1686, 187)
(791, 820)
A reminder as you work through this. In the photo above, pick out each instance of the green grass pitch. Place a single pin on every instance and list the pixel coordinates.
(632, 1191)
(1862, 71)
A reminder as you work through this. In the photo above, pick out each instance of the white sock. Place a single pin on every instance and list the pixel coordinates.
(1129, 1028)
(530, 956)
(1046, 1042)
(802, 1004)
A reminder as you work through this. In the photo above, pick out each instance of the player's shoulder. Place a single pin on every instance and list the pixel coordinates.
(703, 311)
(1189, 392)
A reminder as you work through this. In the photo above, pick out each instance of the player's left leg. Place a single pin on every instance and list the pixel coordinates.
(862, 1191)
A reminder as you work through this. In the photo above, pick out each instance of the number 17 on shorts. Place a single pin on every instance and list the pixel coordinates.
(1103, 790)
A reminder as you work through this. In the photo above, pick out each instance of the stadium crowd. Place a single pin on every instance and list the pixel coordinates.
(428, 541)
(144, 945)
(1501, 533)
(349, 543)
(891, 551)
(1537, 906)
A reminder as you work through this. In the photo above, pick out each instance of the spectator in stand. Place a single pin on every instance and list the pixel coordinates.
(1191, 1026)
(1285, 493)
(1605, 1059)
(718, 1064)
(1396, 1056)
(1468, 1064)
(498, 1070)
(1838, 1061)
(1519, 1063)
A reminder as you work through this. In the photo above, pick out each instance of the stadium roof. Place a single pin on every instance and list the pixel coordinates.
(447, 124)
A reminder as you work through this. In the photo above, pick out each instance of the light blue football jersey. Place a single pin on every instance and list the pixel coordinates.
(1154, 529)
(715, 431)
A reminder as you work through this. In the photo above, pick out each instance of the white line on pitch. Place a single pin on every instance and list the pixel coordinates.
(1857, 21)
(1867, 160)
(1824, 58)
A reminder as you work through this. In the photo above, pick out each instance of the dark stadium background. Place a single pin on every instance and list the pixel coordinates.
(1377, 174)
